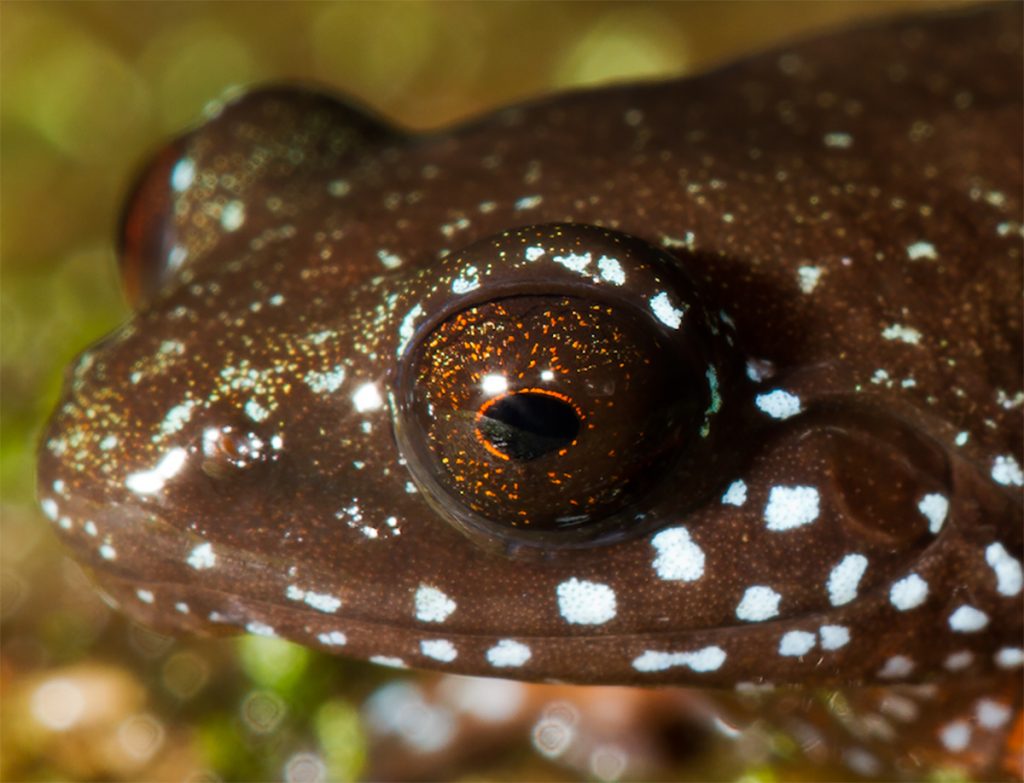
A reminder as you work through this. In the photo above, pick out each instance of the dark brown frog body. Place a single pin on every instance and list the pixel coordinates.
(706, 382)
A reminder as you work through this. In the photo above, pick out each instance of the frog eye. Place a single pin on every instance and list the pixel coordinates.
(552, 406)
(148, 254)
(217, 187)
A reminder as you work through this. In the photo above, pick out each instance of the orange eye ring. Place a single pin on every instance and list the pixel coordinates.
(482, 412)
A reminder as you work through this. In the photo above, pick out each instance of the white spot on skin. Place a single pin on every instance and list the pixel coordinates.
(708, 659)
(1007, 402)
(232, 216)
(967, 619)
(388, 259)
(760, 370)
(182, 607)
(148, 482)
(838, 140)
(494, 384)
(322, 602)
(439, 649)
(844, 578)
(183, 174)
(665, 311)
(107, 552)
(736, 494)
(407, 328)
(202, 557)
(790, 507)
(1009, 576)
(255, 411)
(1007, 472)
(432, 606)
(961, 438)
(260, 629)
(758, 603)
(468, 280)
(89, 526)
(50, 508)
(934, 507)
(325, 382)
(1010, 658)
(574, 262)
(779, 404)
(834, 636)
(177, 417)
(176, 257)
(508, 653)
(908, 593)
(991, 714)
(679, 558)
(689, 241)
(959, 661)
(611, 270)
(807, 277)
(367, 398)
(905, 334)
(922, 251)
(108, 443)
(896, 667)
(389, 661)
(145, 596)
(333, 638)
(585, 603)
(796, 643)
(955, 736)
(533, 253)
(528, 202)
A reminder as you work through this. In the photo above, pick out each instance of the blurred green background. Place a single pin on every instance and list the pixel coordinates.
(87, 90)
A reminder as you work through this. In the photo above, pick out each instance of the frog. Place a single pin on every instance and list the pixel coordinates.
(711, 382)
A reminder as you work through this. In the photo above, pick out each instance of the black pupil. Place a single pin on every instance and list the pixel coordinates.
(526, 426)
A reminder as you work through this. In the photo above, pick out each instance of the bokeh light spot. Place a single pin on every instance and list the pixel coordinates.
(58, 704)
(262, 711)
(621, 47)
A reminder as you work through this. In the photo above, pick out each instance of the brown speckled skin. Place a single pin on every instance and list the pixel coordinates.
(885, 163)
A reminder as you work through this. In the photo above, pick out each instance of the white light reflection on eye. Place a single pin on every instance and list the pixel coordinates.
(494, 384)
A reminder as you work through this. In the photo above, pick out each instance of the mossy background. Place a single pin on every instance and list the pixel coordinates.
(87, 90)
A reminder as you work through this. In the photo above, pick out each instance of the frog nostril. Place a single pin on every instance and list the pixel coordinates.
(528, 425)
(229, 450)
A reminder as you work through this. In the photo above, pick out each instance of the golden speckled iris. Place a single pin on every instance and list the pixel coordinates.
(599, 365)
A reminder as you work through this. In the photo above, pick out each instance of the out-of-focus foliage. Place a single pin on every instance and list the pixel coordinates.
(86, 90)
